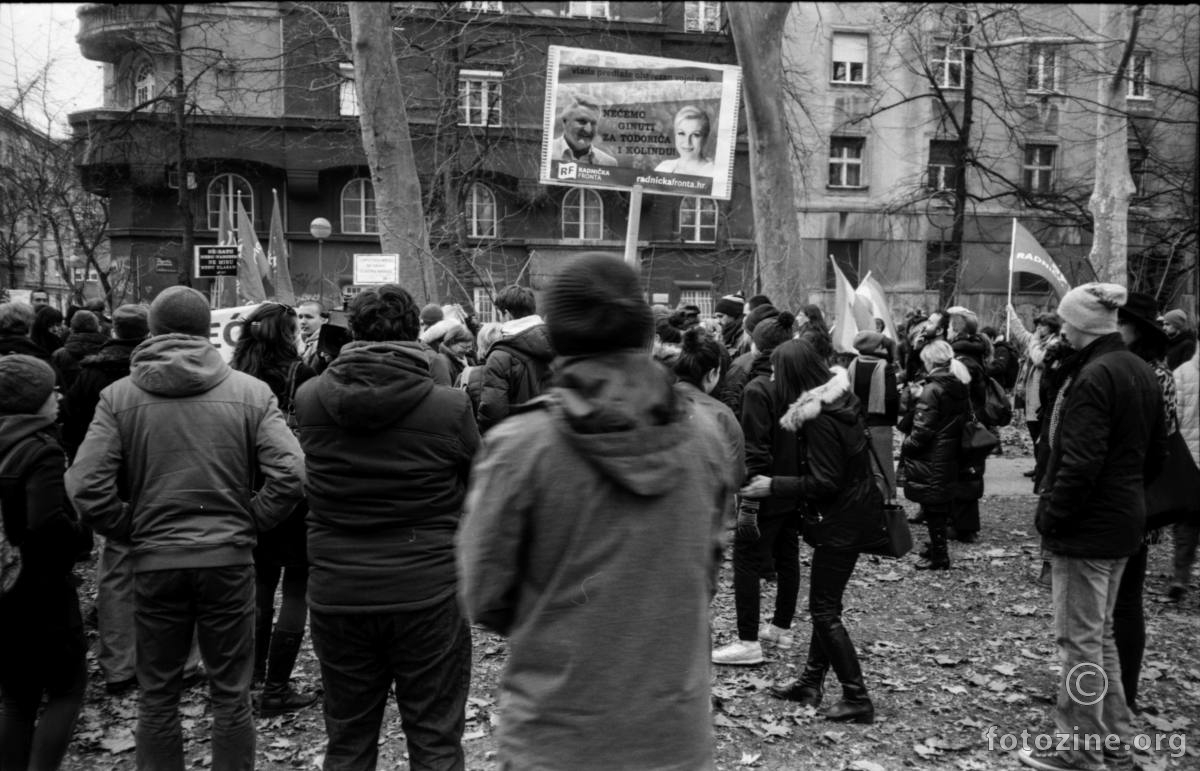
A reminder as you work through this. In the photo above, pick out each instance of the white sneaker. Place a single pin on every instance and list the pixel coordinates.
(773, 635)
(739, 652)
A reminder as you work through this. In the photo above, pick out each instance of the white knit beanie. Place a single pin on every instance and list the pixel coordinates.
(1092, 308)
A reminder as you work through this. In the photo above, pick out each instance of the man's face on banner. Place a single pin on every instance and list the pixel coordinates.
(579, 128)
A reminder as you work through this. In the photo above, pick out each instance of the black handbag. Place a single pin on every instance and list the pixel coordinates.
(977, 440)
(1172, 496)
(895, 539)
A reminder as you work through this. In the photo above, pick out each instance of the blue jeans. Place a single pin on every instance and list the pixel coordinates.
(218, 603)
(425, 654)
(1085, 592)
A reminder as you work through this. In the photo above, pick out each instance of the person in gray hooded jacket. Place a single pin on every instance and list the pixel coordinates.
(562, 549)
(168, 466)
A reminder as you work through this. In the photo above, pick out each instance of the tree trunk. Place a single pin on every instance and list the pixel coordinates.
(949, 293)
(784, 275)
(179, 111)
(388, 146)
(1109, 203)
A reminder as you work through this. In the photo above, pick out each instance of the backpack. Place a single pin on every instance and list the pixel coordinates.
(997, 409)
(10, 551)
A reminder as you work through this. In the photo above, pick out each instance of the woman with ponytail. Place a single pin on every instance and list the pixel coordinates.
(930, 453)
(767, 539)
(267, 350)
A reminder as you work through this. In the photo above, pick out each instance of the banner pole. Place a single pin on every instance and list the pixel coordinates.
(1012, 244)
(631, 231)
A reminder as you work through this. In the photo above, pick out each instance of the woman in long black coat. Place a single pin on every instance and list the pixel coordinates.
(930, 453)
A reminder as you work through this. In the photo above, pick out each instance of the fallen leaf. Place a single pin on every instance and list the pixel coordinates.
(776, 729)
(957, 690)
(865, 765)
(833, 737)
(890, 576)
(473, 735)
(750, 758)
(926, 751)
(1005, 668)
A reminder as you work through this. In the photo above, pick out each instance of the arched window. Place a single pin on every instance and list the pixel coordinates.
(481, 212)
(698, 220)
(582, 214)
(358, 207)
(143, 83)
(234, 189)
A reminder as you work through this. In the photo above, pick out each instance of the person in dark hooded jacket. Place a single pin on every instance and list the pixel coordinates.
(562, 547)
(975, 352)
(83, 340)
(387, 453)
(518, 365)
(930, 453)
(42, 646)
(833, 475)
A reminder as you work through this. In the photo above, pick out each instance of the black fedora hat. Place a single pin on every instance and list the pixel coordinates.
(1141, 310)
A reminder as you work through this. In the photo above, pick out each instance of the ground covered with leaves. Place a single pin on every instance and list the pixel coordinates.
(946, 655)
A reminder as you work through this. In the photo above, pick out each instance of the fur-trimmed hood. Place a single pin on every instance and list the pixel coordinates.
(834, 397)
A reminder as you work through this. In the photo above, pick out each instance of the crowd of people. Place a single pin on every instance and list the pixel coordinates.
(567, 479)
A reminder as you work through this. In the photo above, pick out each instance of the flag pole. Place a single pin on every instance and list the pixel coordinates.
(1012, 244)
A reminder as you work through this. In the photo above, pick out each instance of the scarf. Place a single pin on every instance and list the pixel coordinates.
(875, 396)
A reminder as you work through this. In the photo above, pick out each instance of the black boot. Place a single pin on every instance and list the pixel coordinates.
(938, 557)
(855, 706)
(808, 690)
(278, 697)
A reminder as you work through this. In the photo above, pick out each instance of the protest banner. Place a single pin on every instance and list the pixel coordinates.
(617, 121)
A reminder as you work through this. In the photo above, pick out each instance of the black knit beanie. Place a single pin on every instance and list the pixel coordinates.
(594, 305)
(774, 331)
(760, 312)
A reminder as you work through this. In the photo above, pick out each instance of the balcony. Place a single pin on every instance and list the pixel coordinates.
(108, 31)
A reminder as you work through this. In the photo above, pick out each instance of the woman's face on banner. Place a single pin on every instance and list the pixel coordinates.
(689, 138)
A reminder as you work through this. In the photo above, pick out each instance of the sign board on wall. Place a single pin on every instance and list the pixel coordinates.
(376, 269)
(216, 261)
(617, 120)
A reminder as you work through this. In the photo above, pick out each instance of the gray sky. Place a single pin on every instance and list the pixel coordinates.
(34, 37)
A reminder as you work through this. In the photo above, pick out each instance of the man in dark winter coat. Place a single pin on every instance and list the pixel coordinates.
(84, 339)
(167, 466)
(387, 453)
(1107, 438)
(518, 365)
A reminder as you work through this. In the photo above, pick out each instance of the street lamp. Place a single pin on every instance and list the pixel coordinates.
(320, 230)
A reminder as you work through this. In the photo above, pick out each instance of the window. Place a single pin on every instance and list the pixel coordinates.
(1139, 76)
(143, 83)
(234, 189)
(697, 220)
(845, 161)
(941, 265)
(479, 98)
(358, 207)
(582, 214)
(1137, 170)
(1044, 69)
(701, 16)
(849, 58)
(592, 10)
(481, 212)
(347, 93)
(1039, 168)
(948, 62)
(484, 6)
(943, 161)
(485, 309)
(701, 298)
(846, 255)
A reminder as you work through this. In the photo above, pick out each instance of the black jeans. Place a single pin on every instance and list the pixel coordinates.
(778, 541)
(425, 654)
(1129, 624)
(219, 604)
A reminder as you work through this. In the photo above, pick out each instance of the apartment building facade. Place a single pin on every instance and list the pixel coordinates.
(271, 110)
